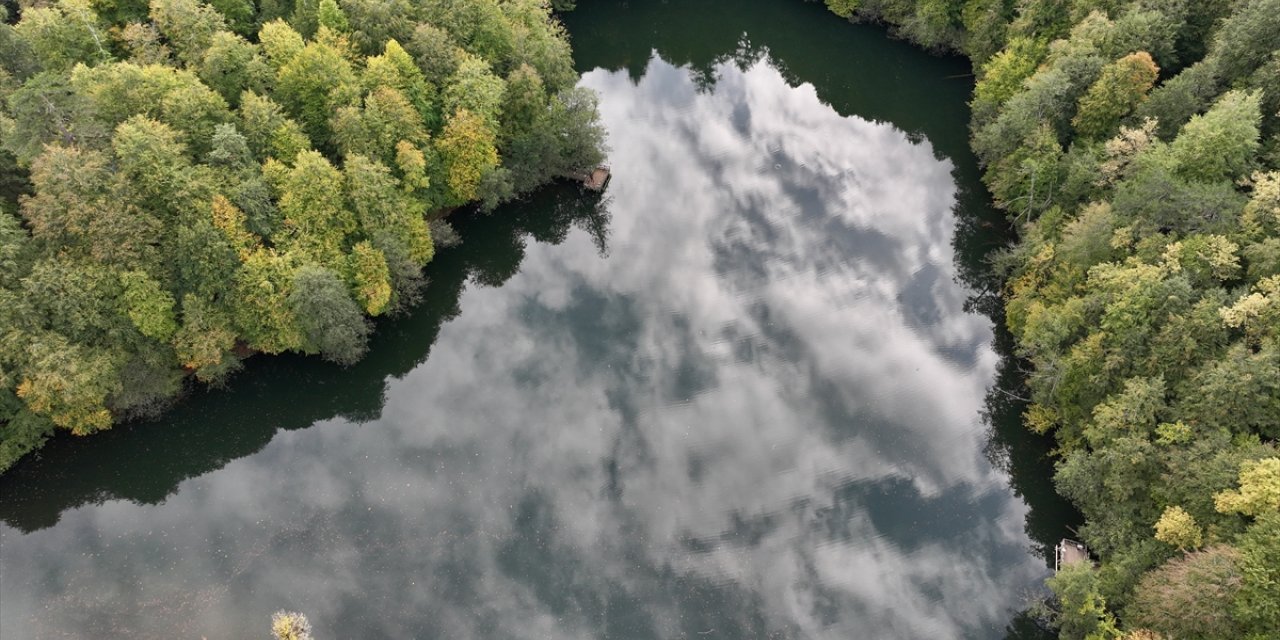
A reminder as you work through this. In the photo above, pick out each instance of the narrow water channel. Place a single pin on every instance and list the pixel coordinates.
(743, 394)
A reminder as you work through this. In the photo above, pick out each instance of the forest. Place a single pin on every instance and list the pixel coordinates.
(184, 184)
(1135, 146)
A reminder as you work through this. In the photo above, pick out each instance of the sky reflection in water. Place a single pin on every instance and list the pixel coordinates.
(758, 414)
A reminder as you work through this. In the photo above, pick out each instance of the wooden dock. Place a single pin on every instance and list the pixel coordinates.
(597, 179)
(1069, 552)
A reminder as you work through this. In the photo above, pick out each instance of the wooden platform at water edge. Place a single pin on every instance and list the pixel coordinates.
(1069, 552)
(597, 179)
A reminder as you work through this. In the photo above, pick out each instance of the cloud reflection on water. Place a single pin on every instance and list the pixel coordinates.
(760, 414)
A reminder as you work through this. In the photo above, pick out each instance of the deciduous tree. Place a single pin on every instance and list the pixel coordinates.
(1122, 85)
(330, 319)
(467, 148)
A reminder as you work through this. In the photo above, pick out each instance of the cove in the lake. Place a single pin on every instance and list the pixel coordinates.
(744, 395)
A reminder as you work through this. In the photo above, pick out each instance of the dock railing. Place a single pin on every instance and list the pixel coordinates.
(1069, 552)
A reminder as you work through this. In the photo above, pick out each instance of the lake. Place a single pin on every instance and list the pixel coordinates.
(746, 392)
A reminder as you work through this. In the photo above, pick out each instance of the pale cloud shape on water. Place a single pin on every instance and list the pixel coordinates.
(768, 395)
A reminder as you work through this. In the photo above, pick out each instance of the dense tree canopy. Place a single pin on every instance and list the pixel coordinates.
(1136, 144)
(187, 182)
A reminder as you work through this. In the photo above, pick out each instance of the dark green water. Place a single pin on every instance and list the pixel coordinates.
(743, 395)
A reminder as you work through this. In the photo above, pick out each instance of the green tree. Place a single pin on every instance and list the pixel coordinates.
(1002, 76)
(1259, 491)
(1082, 611)
(120, 11)
(375, 22)
(1026, 180)
(63, 34)
(188, 25)
(474, 88)
(387, 119)
(195, 111)
(1122, 85)
(1150, 28)
(1246, 38)
(240, 14)
(229, 150)
(371, 278)
(316, 221)
(260, 307)
(330, 16)
(479, 26)
(280, 42)
(540, 42)
(69, 383)
(16, 251)
(205, 342)
(269, 132)
(1222, 143)
(1257, 604)
(396, 69)
(384, 210)
(985, 28)
(1175, 101)
(79, 300)
(1178, 528)
(153, 163)
(71, 187)
(467, 148)
(936, 23)
(306, 17)
(435, 52)
(21, 431)
(148, 305)
(1110, 486)
(313, 85)
(1238, 392)
(47, 110)
(525, 103)
(145, 45)
(329, 318)
(119, 91)
(1134, 411)
(231, 66)
(843, 8)
(579, 136)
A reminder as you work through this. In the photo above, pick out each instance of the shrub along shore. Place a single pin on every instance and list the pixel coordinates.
(184, 183)
(1135, 144)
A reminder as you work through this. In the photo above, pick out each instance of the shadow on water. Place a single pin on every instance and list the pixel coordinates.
(146, 461)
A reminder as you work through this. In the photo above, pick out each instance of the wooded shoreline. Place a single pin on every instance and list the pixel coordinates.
(189, 183)
(1136, 145)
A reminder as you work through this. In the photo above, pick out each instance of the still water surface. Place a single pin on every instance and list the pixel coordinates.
(739, 396)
